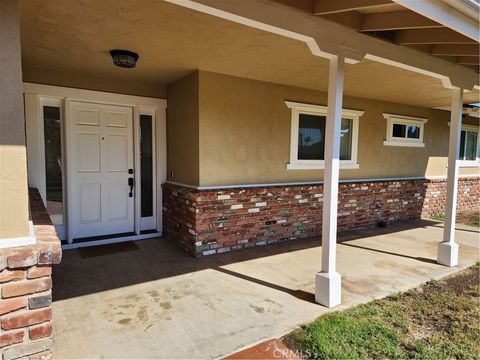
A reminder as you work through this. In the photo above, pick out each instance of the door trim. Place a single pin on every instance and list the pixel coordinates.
(141, 105)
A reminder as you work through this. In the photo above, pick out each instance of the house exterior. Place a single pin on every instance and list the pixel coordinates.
(243, 124)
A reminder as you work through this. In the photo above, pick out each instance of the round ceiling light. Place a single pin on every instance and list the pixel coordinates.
(124, 58)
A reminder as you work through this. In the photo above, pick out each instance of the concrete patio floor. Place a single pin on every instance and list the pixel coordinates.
(158, 302)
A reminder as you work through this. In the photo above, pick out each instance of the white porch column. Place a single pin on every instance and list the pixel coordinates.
(448, 248)
(328, 281)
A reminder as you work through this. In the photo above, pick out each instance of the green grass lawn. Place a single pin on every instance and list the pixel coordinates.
(440, 320)
(471, 218)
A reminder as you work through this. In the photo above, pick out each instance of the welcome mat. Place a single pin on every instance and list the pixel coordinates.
(109, 249)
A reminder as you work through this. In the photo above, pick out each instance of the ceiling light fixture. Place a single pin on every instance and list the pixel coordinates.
(124, 58)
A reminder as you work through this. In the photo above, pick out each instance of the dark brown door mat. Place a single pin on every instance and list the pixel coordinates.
(109, 249)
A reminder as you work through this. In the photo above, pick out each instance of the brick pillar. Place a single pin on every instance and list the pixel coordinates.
(26, 291)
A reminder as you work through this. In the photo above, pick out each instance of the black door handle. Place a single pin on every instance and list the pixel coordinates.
(130, 183)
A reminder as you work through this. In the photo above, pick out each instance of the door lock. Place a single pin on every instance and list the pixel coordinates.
(130, 183)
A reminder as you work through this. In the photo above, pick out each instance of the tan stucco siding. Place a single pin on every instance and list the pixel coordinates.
(245, 135)
(13, 162)
(98, 82)
(183, 130)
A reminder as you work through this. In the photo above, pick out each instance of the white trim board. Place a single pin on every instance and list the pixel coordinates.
(20, 241)
(306, 183)
(110, 241)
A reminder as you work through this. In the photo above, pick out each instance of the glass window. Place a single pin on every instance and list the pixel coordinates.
(404, 130)
(468, 145)
(146, 165)
(399, 130)
(346, 139)
(53, 163)
(413, 132)
(311, 138)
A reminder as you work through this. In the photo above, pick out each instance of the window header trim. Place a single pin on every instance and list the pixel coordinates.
(321, 110)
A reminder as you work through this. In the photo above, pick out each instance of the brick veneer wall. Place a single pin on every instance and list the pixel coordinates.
(26, 290)
(206, 222)
(468, 198)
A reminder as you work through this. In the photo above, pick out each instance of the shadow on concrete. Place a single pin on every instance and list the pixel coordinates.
(419, 258)
(159, 258)
(299, 294)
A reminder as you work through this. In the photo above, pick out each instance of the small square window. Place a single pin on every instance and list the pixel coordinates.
(404, 131)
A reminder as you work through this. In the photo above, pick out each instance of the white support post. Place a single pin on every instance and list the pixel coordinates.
(328, 281)
(448, 248)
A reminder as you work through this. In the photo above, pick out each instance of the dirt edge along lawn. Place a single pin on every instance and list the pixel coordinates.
(438, 320)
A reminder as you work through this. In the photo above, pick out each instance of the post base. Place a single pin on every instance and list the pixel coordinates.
(328, 289)
(447, 254)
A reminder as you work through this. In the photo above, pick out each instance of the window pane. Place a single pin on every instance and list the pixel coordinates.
(53, 163)
(146, 167)
(311, 137)
(346, 139)
(399, 130)
(462, 145)
(471, 147)
(413, 132)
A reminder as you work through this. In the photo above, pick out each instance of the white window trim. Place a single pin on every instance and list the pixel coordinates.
(471, 163)
(403, 120)
(300, 108)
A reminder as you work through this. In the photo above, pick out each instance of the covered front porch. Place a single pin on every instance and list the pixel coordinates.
(158, 302)
(236, 78)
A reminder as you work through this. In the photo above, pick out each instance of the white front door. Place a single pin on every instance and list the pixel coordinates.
(100, 163)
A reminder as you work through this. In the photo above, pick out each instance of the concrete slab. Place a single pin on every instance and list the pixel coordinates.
(157, 302)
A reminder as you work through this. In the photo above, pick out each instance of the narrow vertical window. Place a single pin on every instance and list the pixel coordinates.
(146, 165)
(53, 163)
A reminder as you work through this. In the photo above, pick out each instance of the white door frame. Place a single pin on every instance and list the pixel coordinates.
(35, 97)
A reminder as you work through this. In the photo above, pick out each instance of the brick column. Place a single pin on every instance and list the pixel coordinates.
(26, 290)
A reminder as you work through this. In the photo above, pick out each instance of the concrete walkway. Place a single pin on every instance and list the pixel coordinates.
(158, 302)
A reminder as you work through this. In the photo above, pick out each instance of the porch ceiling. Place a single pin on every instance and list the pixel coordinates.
(66, 42)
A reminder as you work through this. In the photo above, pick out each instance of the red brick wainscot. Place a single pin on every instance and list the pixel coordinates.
(206, 222)
(26, 290)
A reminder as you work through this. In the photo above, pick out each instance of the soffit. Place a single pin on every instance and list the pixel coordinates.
(75, 36)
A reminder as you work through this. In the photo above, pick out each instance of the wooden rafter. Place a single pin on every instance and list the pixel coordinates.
(455, 49)
(396, 20)
(322, 7)
(431, 36)
(468, 60)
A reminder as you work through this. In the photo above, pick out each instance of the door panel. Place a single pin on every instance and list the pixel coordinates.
(117, 153)
(100, 152)
(116, 119)
(89, 203)
(117, 206)
(88, 152)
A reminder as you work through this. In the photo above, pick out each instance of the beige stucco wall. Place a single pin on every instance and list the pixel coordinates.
(89, 81)
(13, 166)
(245, 135)
(183, 130)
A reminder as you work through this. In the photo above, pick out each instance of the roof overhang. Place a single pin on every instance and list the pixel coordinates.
(327, 39)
